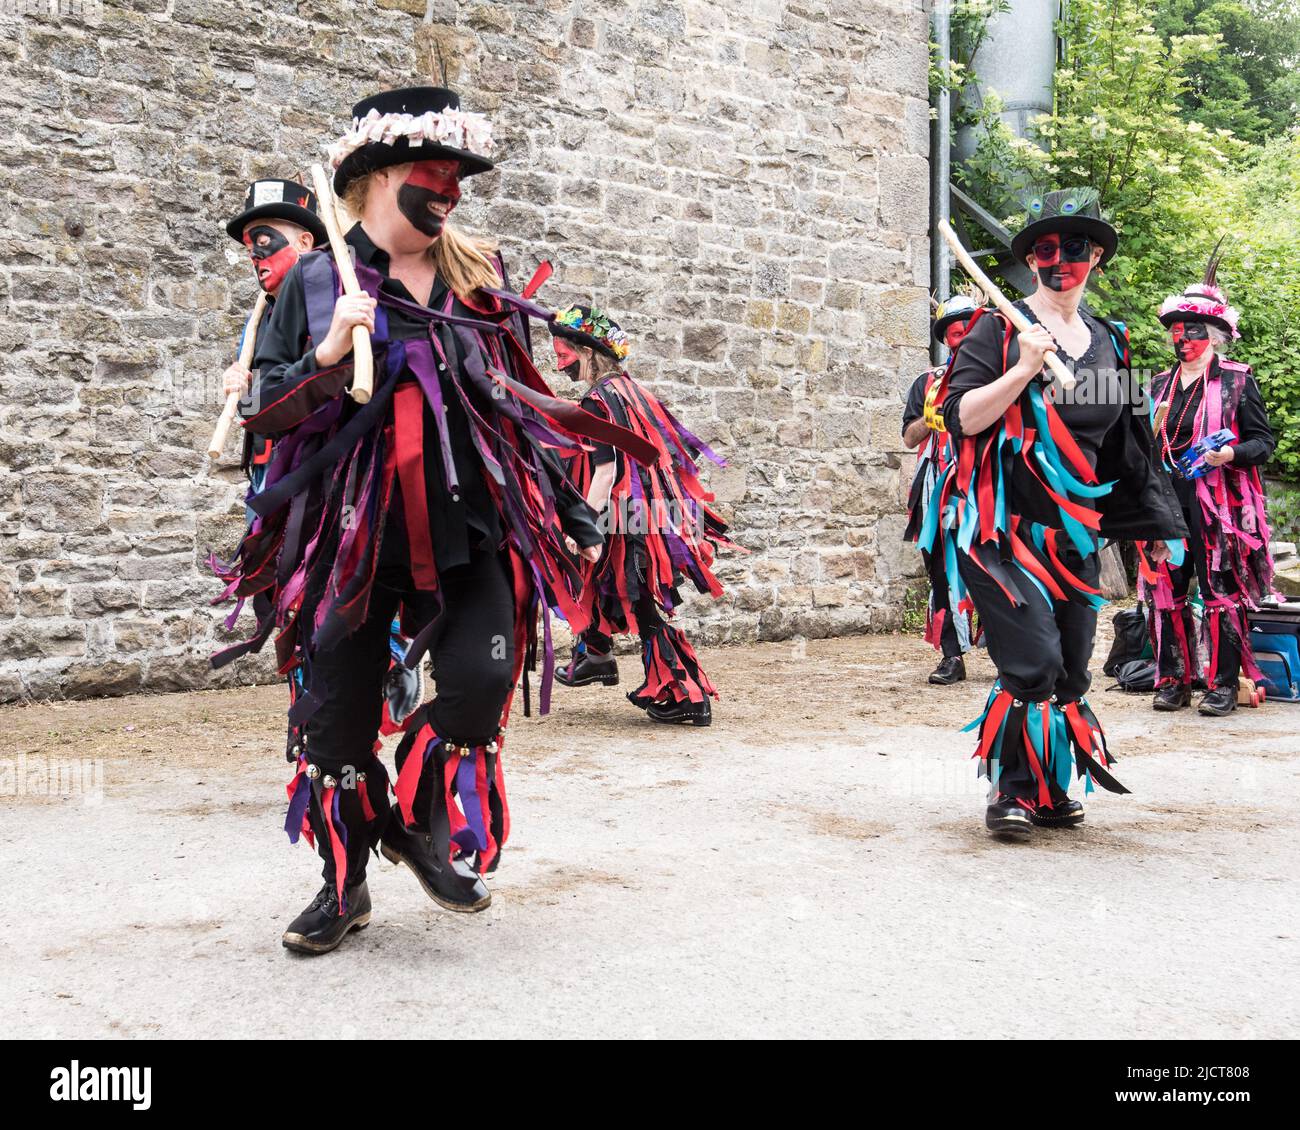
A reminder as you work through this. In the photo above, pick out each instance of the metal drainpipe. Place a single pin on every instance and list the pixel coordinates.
(941, 168)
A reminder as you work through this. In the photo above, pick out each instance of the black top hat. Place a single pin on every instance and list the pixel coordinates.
(958, 308)
(354, 156)
(1067, 210)
(278, 200)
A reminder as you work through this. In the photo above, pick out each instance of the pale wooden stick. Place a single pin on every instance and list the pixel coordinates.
(217, 444)
(1014, 316)
(363, 363)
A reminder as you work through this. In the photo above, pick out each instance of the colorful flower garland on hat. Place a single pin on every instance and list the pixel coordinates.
(596, 324)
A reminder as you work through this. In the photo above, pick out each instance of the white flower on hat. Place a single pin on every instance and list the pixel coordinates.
(457, 129)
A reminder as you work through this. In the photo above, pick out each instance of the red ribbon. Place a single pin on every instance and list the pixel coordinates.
(408, 415)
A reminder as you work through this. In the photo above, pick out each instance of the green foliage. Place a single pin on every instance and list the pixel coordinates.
(967, 29)
(1251, 86)
(1283, 510)
(1170, 183)
(916, 607)
(1262, 277)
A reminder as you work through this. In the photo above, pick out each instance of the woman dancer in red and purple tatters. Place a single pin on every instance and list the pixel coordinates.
(659, 525)
(442, 499)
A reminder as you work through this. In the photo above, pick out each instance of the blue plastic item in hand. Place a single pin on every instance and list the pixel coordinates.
(1191, 464)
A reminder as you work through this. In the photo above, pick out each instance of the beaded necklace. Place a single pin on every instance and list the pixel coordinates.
(1174, 382)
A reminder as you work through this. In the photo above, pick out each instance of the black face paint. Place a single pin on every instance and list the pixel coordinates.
(1191, 340)
(1063, 262)
(271, 254)
(429, 193)
(567, 359)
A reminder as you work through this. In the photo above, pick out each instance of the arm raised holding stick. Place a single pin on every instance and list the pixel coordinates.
(1014, 316)
(363, 379)
(217, 444)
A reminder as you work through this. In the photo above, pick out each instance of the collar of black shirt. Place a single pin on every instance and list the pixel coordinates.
(378, 259)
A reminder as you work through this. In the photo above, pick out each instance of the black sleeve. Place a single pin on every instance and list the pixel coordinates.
(1141, 505)
(290, 385)
(914, 408)
(282, 357)
(1257, 441)
(602, 452)
(978, 363)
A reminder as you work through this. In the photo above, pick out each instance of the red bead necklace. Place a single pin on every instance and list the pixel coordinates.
(1164, 422)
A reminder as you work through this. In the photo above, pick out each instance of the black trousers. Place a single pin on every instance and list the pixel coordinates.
(1173, 665)
(648, 620)
(472, 652)
(949, 644)
(1040, 650)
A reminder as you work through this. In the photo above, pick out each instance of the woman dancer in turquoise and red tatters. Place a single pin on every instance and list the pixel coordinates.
(1039, 478)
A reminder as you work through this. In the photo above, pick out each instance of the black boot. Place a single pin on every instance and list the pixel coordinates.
(338, 821)
(1218, 702)
(320, 928)
(951, 669)
(584, 669)
(1006, 816)
(1172, 696)
(1062, 814)
(676, 713)
(452, 885)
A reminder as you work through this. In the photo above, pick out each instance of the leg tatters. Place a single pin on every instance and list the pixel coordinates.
(672, 671)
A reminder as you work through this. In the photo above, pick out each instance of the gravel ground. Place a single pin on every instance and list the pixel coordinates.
(814, 864)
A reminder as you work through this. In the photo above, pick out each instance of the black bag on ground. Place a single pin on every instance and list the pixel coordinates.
(1131, 640)
(1136, 676)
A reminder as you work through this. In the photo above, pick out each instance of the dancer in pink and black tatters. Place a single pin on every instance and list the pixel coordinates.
(661, 530)
(442, 500)
(1223, 505)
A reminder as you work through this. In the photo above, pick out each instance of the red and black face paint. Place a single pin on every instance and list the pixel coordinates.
(566, 358)
(272, 254)
(429, 193)
(1063, 262)
(955, 332)
(1191, 340)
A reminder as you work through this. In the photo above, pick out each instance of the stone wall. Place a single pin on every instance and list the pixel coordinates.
(743, 182)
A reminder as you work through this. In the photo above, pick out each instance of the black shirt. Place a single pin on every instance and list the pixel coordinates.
(1182, 420)
(914, 407)
(285, 354)
(603, 452)
(1091, 410)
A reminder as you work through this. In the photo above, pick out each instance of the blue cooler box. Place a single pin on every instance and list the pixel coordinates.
(1275, 639)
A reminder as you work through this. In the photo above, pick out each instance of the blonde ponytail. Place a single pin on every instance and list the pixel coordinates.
(464, 262)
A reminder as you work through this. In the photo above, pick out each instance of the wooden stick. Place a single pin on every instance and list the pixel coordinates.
(363, 362)
(1014, 316)
(217, 444)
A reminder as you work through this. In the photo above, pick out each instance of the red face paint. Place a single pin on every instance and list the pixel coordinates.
(954, 333)
(566, 358)
(1063, 263)
(429, 193)
(273, 256)
(1191, 340)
